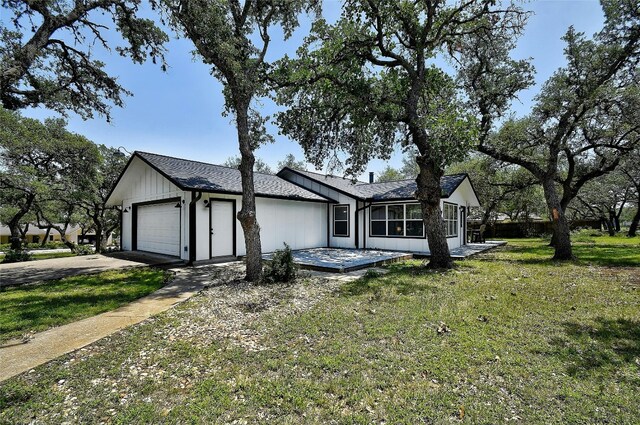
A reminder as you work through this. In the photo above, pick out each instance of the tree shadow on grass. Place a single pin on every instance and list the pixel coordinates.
(404, 278)
(599, 255)
(606, 345)
(37, 307)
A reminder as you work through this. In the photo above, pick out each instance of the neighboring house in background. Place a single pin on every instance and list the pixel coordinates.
(36, 235)
(188, 209)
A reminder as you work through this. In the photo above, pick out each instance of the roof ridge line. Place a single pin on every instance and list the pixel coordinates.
(199, 162)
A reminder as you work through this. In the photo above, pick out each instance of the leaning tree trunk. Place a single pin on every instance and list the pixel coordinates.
(561, 231)
(46, 237)
(428, 193)
(247, 215)
(634, 223)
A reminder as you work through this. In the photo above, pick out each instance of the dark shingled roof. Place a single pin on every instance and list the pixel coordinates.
(386, 191)
(194, 175)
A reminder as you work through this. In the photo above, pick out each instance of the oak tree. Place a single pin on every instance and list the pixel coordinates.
(233, 37)
(368, 84)
(47, 53)
(586, 117)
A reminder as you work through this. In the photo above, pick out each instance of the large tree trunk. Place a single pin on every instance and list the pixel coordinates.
(428, 193)
(561, 231)
(634, 223)
(14, 222)
(611, 223)
(99, 237)
(247, 215)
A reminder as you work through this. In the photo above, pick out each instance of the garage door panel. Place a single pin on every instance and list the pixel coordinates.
(159, 229)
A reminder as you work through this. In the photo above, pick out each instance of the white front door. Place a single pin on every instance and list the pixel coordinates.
(222, 224)
(158, 229)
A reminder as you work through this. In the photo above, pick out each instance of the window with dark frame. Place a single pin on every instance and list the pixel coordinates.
(397, 221)
(450, 215)
(341, 220)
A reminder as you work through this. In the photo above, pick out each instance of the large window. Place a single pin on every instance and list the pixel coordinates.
(450, 215)
(341, 220)
(397, 220)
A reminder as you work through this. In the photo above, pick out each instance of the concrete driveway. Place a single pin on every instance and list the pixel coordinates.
(57, 268)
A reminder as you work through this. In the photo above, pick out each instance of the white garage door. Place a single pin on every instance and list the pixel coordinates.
(159, 229)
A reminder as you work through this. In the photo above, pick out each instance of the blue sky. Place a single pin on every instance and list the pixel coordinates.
(178, 112)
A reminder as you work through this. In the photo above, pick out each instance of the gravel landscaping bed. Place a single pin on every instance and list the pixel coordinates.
(165, 354)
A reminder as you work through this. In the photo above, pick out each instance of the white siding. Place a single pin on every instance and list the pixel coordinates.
(141, 183)
(334, 241)
(300, 224)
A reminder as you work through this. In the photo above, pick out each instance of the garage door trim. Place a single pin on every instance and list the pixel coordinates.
(134, 217)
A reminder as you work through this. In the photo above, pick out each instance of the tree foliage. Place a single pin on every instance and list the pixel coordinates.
(501, 188)
(47, 59)
(389, 174)
(104, 219)
(368, 84)
(290, 161)
(44, 171)
(259, 166)
(233, 37)
(585, 119)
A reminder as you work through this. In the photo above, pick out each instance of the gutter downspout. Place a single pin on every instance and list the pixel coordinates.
(120, 209)
(195, 197)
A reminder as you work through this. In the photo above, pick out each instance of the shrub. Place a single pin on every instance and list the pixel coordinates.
(15, 256)
(84, 249)
(281, 268)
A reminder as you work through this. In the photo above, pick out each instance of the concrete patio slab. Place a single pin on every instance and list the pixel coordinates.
(471, 249)
(339, 260)
(17, 357)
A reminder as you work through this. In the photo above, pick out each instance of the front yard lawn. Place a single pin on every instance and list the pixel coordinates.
(38, 307)
(509, 336)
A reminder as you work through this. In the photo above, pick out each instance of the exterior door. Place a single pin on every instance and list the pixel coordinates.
(222, 228)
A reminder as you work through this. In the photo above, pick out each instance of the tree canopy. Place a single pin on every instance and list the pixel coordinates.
(291, 162)
(47, 53)
(233, 37)
(585, 118)
(259, 166)
(41, 164)
(368, 83)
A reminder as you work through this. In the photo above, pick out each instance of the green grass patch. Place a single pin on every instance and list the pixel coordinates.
(608, 251)
(38, 307)
(46, 255)
(508, 336)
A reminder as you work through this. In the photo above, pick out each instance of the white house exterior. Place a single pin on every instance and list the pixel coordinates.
(188, 209)
(387, 215)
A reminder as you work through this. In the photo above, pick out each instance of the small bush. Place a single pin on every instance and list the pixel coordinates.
(15, 256)
(84, 249)
(281, 268)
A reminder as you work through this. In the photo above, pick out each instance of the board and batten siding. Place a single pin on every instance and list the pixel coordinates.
(300, 224)
(144, 184)
(334, 241)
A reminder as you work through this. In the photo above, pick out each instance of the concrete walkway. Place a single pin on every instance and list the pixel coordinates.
(58, 268)
(19, 357)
